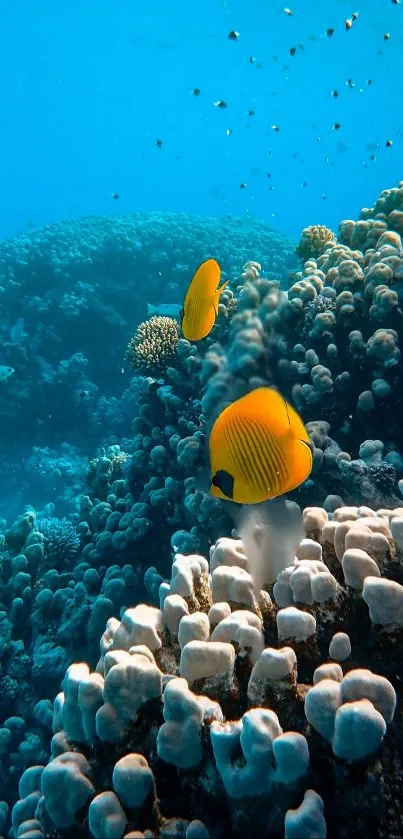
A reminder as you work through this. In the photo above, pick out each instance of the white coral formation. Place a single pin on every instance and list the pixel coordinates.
(188, 575)
(275, 670)
(174, 609)
(352, 712)
(384, 599)
(140, 625)
(195, 627)
(132, 780)
(66, 787)
(207, 660)
(178, 740)
(244, 630)
(131, 679)
(340, 646)
(307, 821)
(271, 757)
(233, 584)
(295, 624)
(206, 651)
(307, 581)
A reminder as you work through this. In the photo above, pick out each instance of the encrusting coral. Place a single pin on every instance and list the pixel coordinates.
(232, 712)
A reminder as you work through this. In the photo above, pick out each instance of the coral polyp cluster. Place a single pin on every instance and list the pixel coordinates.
(314, 241)
(154, 345)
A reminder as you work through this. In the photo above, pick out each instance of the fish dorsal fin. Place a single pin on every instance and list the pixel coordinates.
(271, 404)
(211, 274)
(280, 414)
(207, 276)
(297, 426)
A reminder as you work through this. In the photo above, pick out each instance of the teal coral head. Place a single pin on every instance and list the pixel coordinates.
(61, 540)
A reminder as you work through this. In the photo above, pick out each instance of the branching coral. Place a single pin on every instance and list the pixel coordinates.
(60, 541)
(154, 345)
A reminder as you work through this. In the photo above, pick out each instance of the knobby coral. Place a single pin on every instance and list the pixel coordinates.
(216, 705)
(314, 241)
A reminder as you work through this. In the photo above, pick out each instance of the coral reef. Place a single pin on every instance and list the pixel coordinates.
(242, 677)
(84, 285)
(233, 712)
(72, 295)
(331, 344)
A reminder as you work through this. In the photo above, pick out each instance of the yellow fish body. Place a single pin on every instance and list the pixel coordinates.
(200, 307)
(259, 449)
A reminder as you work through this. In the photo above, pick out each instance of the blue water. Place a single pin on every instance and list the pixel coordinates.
(86, 89)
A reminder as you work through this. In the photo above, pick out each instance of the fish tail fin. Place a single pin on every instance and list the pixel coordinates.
(151, 309)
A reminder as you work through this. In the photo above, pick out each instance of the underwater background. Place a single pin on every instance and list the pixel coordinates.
(174, 662)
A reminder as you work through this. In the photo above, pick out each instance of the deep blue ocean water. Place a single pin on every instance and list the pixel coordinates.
(87, 88)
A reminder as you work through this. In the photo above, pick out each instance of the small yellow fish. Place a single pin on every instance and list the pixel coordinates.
(200, 308)
(259, 449)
